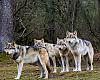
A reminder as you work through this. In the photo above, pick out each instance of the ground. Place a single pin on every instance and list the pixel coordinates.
(8, 71)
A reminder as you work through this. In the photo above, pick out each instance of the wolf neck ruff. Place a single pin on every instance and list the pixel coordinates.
(15, 54)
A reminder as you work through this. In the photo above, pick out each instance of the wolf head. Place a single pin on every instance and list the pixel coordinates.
(39, 42)
(13, 50)
(10, 48)
(62, 43)
(71, 38)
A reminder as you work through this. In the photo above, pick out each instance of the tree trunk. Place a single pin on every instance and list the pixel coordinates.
(6, 22)
(51, 31)
(99, 8)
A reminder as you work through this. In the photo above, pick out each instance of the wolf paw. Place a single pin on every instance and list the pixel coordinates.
(46, 78)
(75, 70)
(54, 71)
(79, 70)
(62, 71)
(87, 68)
(40, 77)
(16, 78)
(67, 70)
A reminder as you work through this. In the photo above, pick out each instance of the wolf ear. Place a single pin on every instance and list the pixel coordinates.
(57, 39)
(67, 32)
(42, 40)
(64, 39)
(13, 43)
(75, 33)
(34, 40)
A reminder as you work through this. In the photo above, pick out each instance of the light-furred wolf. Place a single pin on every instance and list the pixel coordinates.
(80, 48)
(54, 50)
(27, 54)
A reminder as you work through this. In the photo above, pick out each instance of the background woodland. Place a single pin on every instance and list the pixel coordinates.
(24, 20)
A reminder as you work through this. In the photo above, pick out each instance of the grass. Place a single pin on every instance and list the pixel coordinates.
(8, 71)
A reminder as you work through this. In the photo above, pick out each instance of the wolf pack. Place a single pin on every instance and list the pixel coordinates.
(42, 52)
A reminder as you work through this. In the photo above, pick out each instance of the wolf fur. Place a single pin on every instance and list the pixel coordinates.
(66, 53)
(80, 48)
(54, 50)
(27, 54)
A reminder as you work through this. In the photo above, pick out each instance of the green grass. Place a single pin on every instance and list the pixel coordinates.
(8, 71)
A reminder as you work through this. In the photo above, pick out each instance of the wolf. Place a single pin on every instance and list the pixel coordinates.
(29, 54)
(66, 52)
(80, 48)
(53, 51)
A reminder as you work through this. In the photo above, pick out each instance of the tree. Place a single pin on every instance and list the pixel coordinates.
(50, 19)
(6, 22)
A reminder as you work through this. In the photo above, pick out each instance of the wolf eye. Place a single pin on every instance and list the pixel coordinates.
(35, 41)
(67, 37)
(72, 37)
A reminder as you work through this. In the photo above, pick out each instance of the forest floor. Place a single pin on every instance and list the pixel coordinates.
(8, 71)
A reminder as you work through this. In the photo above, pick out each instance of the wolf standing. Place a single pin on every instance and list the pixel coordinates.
(80, 48)
(54, 52)
(26, 54)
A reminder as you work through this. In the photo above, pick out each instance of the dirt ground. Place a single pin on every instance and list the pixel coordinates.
(8, 71)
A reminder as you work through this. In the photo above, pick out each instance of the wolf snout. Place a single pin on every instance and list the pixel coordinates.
(69, 41)
(7, 53)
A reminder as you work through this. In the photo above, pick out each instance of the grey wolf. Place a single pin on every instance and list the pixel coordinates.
(80, 48)
(53, 51)
(26, 54)
(66, 54)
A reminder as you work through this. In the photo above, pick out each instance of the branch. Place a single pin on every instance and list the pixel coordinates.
(23, 27)
(22, 34)
(20, 8)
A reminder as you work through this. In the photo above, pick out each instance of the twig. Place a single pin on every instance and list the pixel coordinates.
(23, 27)
(20, 8)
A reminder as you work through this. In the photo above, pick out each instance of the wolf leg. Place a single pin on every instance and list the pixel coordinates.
(67, 64)
(42, 71)
(46, 71)
(86, 60)
(63, 65)
(43, 64)
(75, 60)
(19, 66)
(79, 62)
(91, 53)
(90, 61)
(54, 64)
